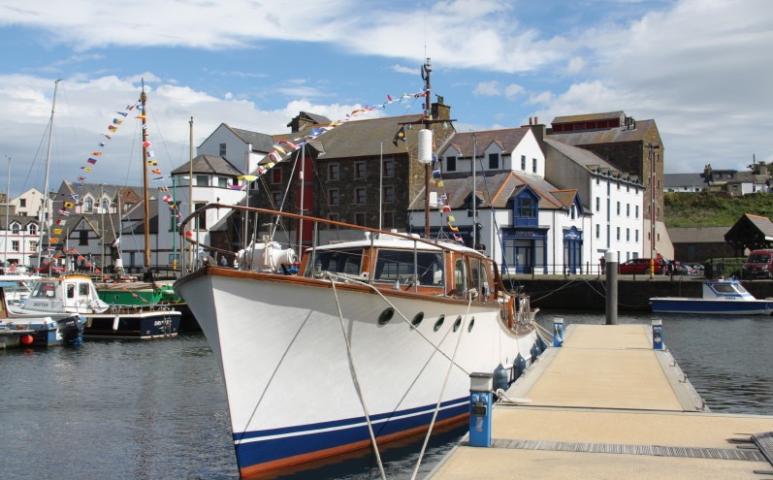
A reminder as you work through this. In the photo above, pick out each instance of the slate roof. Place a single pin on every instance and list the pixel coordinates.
(493, 189)
(582, 157)
(314, 117)
(260, 142)
(683, 180)
(697, 234)
(21, 219)
(506, 138)
(763, 224)
(610, 135)
(588, 116)
(209, 164)
(363, 138)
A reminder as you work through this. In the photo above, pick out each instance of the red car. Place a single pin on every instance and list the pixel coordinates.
(642, 266)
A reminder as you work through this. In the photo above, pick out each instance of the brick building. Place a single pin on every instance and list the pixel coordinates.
(634, 147)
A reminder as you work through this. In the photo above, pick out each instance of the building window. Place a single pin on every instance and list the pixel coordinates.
(15, 245)
(201, 218)
(636, 235)
(597, 180)
(389, 194)
(523, 162)
(573, 212)
(333, 197)
(88, 204)
(222, 149)
(388, 219)
(83, 237)
(360, 170)
(450, 164)
(333, 171)
(598, 231)
(637, 211)
(618, 208)
(15, 227)
(534, 165)
(627, 234)
(527, 207)
(22, 202)
(618, 234)
(276, 197)
(627, 188)
(493, 161)
(334, 217)
(598, 204)
(360, 196)
(618, 185)
(389, 168)
(34, 246)
(222, 182)
(276, 175)
(359, 218)
(32, 228)
(105, 207)
(627, 209)
(202, 180)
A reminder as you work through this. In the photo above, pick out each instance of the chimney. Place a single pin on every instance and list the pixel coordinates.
(440, 111)
(536, 128)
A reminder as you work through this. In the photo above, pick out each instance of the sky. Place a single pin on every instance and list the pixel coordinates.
(700, 68)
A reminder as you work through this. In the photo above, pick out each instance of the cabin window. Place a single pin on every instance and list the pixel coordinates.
(43, 290)
(338, 261)
(83, 289)
(478, 276)
(723, 288)
(398, 265)
(70, 290)
(460, 277)
(202, 180)
(222, 182)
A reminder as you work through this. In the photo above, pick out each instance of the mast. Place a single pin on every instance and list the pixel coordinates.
(102, 230)
(302, 179)
(426, 70)
(7, 212)
(146, 195)
(44, 219)
(190, 183)
(474, 193)
(381, 185)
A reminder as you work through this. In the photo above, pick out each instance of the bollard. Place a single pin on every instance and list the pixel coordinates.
(558, 332)
(611, 306)
(481, 405)
(657, 334)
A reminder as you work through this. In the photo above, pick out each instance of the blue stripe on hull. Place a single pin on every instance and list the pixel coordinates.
(297, 443)
(697, 306)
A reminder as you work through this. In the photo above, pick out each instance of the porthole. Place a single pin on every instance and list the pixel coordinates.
(417, 319)
(457, 323)
(439, 322)
(386, 316)
(469, 326)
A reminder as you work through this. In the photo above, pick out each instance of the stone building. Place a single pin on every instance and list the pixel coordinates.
(632, 146)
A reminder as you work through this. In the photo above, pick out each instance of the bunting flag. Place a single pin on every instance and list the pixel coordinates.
(453, 228)
(86, 169)
(156, 171)
(69, 205)
(64, 213)
(54, 239)
(436, 173)
(59, 222)
(146, 144)
(96, 154)
(57, 231)
(101, 144)
(117, 121)
(112, 128)
(92, 161)
(123, 114)
(75, 196)
(249, 178)
(446, 209)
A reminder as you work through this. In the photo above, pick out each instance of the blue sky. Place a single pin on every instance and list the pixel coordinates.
(700, 68)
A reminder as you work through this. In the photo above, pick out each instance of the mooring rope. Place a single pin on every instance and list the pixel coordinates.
(355, 381)
(443, 388)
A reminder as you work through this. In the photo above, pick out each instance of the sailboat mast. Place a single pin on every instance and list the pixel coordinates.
(146, 196)
(427, 69)
(190, 187)
(45, 214)
(7, 213)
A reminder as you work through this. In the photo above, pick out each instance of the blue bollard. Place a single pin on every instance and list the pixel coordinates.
(558, 332)
(657, 334)
(481, 405)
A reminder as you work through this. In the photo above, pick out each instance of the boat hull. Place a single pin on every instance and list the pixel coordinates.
(143, 325)
(290, 391)
(711, 307)
(43, 332)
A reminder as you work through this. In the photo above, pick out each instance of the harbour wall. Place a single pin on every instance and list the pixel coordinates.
(588, 293)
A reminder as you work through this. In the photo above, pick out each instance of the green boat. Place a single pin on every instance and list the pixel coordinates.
(137, 294)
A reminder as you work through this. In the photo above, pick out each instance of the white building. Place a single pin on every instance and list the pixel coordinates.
(242, 148)
(30, 203)
(526, 224)
(615, 199)
(683, 182)
(19, 239)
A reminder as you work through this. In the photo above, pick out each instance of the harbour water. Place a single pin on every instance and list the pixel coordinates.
(151, 410)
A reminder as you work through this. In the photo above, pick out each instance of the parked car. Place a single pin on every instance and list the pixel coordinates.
(641, 266)
(759, 264)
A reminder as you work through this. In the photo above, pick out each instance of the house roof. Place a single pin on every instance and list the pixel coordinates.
(610, 135)
(260, 142)
(494, 189)
(506, 138)
(362, 138)
(565, 197)
(697, 234)
(580, 156)
(749, 177)
(314, 117)
(210, 164)
(20, 219)
(683, 179)
(588, 116)
(762, 223)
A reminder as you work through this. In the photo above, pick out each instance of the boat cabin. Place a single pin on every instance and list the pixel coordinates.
(725, 289)
(65, 294)
(442, 269)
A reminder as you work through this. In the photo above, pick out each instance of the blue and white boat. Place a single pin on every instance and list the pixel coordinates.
(726, 297)
(36, 330)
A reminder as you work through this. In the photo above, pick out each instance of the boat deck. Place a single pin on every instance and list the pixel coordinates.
(606, 405)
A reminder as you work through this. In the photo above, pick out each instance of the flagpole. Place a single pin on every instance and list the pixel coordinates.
(44, 219)
(146, 195)
(7, 213)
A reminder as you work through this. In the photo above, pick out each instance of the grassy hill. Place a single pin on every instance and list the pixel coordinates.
(713, 209)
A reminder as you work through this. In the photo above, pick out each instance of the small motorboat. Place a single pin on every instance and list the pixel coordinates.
(36, 330)
(719, 297)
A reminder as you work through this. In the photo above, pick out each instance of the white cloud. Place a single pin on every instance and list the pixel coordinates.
(513, 90)
(458, 33)
(575, 65)
(406, 70)
(86, 106)
(487, 89)
(542, 97)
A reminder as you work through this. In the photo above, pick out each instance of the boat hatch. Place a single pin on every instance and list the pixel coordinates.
(725, 289)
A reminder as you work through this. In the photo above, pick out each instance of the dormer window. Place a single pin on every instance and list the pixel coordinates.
(88, 204)
(32, 228)
(450, 164)
(105, 205)
(493, 161)
(526, 207)
(15, 228)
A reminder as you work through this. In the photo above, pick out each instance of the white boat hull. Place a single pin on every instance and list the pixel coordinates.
(290, 391)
